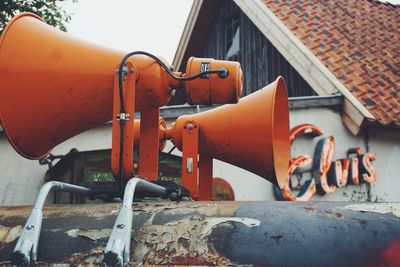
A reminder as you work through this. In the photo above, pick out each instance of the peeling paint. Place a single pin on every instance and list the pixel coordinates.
(182, 239)
(91, 234)
(381, 208)
(93, 258)
(9, 234)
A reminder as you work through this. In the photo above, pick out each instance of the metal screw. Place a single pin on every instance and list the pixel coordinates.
(190, 126)
(121, 226)
(30, 227)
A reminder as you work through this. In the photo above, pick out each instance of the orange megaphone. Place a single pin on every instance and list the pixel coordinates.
(253, 134)
(54, 86)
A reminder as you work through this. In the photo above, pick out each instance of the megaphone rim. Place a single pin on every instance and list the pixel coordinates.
(18, 149)
(4, 124)
(13, 20)
(281, 156)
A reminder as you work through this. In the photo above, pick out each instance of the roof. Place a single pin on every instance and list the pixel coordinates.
(358, 41)
(348, 47)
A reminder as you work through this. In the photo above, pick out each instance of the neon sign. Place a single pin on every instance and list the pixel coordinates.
(327, 174)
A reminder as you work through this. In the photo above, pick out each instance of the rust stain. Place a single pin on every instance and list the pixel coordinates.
(276, 238)
(338, 215)
(309, 209)
(362, 222)
(9, 234)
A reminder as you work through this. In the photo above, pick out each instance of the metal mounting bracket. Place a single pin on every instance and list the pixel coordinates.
(117, 252)
(25, 251)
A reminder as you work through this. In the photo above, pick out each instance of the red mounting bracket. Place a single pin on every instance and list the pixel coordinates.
(129, 83)
(197, 169)
(149, 144)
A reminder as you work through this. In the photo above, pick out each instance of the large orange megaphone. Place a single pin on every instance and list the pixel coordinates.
(253, 134)
(54, 86)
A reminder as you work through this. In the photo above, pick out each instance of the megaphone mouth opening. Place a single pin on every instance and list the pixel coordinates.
(280, 133)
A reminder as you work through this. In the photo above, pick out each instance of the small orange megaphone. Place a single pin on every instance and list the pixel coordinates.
(253, 135)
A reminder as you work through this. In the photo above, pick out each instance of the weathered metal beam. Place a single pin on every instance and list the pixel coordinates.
(207, 233)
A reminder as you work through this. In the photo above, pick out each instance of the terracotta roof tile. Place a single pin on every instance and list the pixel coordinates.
(358, 41)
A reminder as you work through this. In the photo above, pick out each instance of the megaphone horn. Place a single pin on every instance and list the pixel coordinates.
(253, 134)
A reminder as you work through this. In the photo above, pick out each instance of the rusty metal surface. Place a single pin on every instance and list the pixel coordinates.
(218, 233)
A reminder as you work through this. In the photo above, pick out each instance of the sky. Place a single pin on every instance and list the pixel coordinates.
(154, 26)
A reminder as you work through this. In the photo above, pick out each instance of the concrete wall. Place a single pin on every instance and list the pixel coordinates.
(21, 179)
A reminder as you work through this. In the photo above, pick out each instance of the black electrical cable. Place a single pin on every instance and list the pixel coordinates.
(221, 72)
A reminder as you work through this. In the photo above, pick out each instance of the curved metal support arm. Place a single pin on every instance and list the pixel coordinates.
(117, 252)
(25, 251)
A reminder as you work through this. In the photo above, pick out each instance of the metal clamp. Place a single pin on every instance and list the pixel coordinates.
(123, 116)
(125, 70)
(25, 251)
(117, 252)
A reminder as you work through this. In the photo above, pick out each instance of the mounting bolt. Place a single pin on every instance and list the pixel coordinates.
(30, 227)
(121, 226)
(190, 126)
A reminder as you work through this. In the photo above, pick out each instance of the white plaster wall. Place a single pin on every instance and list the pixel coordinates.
(386, 146)
(20, 179)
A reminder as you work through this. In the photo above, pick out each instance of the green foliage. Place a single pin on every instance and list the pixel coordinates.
(49, 10)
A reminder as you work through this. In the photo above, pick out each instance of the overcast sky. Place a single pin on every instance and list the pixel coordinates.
(128, 25)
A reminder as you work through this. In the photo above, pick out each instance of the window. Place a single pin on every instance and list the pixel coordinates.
(232, 37)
